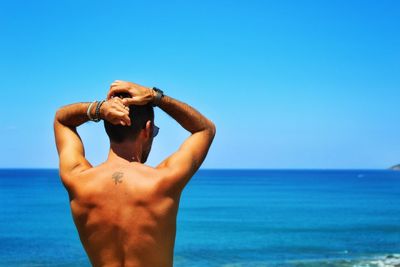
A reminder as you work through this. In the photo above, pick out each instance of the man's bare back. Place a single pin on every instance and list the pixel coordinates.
(124, 216)
(125, 211)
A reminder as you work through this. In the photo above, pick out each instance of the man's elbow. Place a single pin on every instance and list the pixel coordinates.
(212, 128)
(57, 116)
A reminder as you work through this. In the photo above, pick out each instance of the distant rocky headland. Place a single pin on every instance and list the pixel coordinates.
(396, 167)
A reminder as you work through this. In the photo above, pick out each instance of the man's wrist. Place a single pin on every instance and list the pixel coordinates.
(102, 112)
(158, 95)
(94, 111)
(91, 110)
(152, 95)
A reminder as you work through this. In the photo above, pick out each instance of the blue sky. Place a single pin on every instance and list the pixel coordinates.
(289, 84)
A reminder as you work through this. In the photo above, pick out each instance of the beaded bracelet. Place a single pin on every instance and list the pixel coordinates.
(88, 111)
(97, 113)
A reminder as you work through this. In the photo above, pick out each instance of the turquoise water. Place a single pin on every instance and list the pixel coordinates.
(226, 218)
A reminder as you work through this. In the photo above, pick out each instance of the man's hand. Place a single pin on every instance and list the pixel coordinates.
(114, 111)
(140, 95)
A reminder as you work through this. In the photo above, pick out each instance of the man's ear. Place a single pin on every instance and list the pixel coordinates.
(147, 129)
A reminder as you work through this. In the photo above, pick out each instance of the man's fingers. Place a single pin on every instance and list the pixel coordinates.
(120, 115)
(116, 90)
(118, 86)
(123, 110)
(125, 123)
(112, 91)
(112, 86)
(121, 107)
(127, 101)
(108, 96)
(116, 83)
(131, 101)
(118, 101)
(127, 120)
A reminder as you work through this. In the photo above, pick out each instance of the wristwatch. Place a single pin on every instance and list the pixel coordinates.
(159, 95)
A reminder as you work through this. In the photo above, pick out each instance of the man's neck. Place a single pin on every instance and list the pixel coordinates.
(125, 152)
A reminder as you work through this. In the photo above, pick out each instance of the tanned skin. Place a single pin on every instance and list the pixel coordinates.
(125, 211)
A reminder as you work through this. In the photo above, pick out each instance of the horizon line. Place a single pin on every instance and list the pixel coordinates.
(238, 169)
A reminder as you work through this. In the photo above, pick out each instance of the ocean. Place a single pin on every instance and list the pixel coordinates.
(227, 218)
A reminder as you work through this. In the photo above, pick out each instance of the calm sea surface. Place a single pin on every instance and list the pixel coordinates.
(226, 218)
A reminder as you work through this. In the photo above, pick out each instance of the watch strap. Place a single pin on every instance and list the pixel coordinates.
(159, 95)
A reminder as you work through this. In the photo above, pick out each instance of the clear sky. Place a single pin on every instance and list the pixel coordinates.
(289, 84)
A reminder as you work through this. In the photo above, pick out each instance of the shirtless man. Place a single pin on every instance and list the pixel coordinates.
(125, 211)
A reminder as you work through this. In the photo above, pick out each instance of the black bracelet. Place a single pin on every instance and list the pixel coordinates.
(97, 114)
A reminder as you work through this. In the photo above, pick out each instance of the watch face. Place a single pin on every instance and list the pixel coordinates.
(158, 90)
(158, 96)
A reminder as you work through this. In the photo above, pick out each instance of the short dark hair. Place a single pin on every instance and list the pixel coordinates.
(139, 115)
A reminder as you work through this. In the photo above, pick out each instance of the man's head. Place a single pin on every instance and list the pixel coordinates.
(141, 130)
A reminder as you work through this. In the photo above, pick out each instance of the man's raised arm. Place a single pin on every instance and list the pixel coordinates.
(181, 165)
(69, 144)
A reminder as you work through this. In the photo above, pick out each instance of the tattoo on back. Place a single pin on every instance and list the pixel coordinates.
(117, 177)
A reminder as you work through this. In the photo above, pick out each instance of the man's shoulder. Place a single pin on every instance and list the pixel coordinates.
(134, 174)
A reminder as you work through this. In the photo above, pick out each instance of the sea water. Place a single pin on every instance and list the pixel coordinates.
(227, 218)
